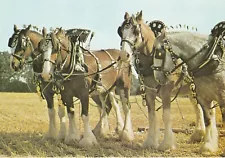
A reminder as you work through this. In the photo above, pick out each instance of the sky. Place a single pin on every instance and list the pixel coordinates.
(104, 16)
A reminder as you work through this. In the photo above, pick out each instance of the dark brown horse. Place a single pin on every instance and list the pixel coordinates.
(137, 39)
(24, 43)
(101, 78)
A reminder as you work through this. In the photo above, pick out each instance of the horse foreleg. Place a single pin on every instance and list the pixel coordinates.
(169, 140)
(119, 122)
(152, 140)
(127, 133)
(88, 137)
(211, 135)
(199, 131)
(51, 134)
(62, 118)
(73, 133)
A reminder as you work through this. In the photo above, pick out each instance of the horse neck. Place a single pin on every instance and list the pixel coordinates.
(35, 38)
(148, 36)
(186, 44)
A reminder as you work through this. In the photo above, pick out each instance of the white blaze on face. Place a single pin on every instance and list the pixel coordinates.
(127, 47)
(129, 36)
(47, 63)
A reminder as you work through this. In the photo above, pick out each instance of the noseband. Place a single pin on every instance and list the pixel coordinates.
(27, 44)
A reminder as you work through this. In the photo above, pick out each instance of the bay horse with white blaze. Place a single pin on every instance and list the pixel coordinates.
(137, 39)
(105, 71)
(207, 69)
(24, 42)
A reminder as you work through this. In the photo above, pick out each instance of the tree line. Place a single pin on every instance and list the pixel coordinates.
(11, 81)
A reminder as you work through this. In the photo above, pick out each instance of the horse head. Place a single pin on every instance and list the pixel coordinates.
(55, 48)
(136, 36)
(202, 62)
(163, 60)
(23, 42)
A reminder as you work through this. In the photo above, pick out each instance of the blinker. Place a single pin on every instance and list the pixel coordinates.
(160, 55)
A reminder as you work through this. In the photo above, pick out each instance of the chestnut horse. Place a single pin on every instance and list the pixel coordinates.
(137, 40)
(105, 71)
(24, 42)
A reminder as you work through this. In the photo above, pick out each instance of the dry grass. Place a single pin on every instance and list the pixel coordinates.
(24, 120)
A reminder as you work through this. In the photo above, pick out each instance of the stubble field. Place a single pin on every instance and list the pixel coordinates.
(24, 121)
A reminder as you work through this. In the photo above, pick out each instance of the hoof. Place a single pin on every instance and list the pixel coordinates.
(101, 132)
(149, 144)
(127, 136)
(61, 136)
(88, 141)
(197, 136)
(164, 147)
(50, 135)
(208, 147)
(72, 138)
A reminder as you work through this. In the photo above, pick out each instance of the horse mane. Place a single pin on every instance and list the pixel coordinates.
(147, 34)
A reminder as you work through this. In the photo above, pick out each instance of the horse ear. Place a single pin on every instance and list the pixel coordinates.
(44, 32)
(15, 28)
(139, 16)
(126, 16)
(28, 28)
(133, 19)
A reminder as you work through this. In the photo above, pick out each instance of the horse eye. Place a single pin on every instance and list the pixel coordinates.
(127, 25)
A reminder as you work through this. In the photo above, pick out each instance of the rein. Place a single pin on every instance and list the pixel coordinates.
(211, 52)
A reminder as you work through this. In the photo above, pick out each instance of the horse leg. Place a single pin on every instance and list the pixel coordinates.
(88, 137)
(211, 135)
(127, 133)
(169, 140)
(199, 131)
(152, 140)
(62, 117)
(73, 133)
(51, 134)
(222, 109)
(102, 128)
(96, 130)
(119, 122)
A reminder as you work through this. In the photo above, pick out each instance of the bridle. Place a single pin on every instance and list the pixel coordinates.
(25, 43)
(218, 41)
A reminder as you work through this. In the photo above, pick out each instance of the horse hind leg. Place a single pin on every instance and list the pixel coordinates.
(115, 105)
(127, 133)
(51, 134)
(199, 131)
(102, 127)
(211, 135)
(88, 137)
(152, 140)
(62, 118)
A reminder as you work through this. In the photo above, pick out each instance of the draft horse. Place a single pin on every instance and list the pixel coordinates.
(24, 43)
(105, 71)
(137, 39)
(206, 67)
